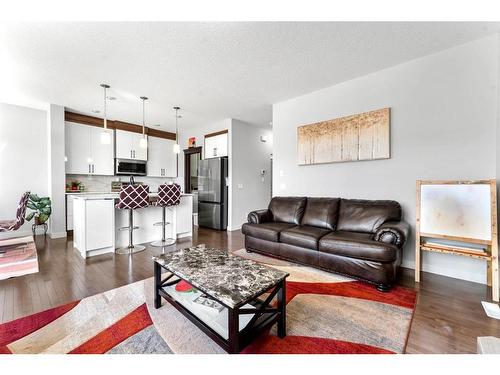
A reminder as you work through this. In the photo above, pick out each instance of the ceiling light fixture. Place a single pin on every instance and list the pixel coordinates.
(177, 147)
(144, 141)
(105, 135)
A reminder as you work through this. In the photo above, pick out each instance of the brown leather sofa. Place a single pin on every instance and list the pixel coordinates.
(358, 238)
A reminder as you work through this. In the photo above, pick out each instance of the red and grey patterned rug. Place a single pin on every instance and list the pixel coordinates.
(326, 313)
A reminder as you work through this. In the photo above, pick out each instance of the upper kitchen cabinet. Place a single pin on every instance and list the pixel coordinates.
(216, 145)
(128, 146)
(84, 151)
(162, 161)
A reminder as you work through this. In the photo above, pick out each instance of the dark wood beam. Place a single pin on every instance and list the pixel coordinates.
(216, 133)
(115, 124)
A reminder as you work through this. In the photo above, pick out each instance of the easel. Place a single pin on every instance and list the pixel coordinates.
(491, 245)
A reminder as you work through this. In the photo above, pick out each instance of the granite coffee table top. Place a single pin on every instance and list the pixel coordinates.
(230, 279)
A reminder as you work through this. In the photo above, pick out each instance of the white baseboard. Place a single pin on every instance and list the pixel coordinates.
(437, 270)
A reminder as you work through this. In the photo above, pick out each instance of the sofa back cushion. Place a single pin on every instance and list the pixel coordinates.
(357, 215)
(321, 213)
(287, 209)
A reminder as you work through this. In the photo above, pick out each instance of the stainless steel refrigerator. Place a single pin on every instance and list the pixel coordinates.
(212, 193)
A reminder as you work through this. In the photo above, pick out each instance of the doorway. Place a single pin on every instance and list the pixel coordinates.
(192, 157)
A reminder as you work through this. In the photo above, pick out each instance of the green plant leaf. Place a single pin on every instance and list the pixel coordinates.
(46, 210)
(29, 216)
(41, 204)
(32, 206)
(43, 218)
(34, 197)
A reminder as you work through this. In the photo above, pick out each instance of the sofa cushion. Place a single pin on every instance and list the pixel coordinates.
(321, 213)
(265, 231)
(287, 209)
(366, 216)
(357, 245)
(303, 236)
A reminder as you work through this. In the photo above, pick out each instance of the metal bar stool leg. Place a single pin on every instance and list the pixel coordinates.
(164, 241)
(131, 248)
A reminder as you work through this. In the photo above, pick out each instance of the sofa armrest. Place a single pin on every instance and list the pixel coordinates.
(393, 232)
(259, 216)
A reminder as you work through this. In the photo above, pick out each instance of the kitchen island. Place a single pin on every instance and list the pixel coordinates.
(96, 222)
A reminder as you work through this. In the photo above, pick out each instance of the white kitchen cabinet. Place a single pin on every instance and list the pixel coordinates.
(84, 151)
(94, 225)
(184, 216)
(128, 146)
(216, 146)
(162, 161)
(103, 161)
(69, 212)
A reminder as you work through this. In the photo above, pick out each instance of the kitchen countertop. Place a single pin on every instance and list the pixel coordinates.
(97, 196)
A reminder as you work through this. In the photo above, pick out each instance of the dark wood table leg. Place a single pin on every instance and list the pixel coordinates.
(157, 278)
(282, 309)
(234, 328)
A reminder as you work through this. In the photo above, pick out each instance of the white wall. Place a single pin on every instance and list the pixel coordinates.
(443, 126)
(251, 191)
(57, 169)
(23, 158)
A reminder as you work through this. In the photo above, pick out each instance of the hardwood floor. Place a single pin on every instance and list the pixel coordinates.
(448, 317)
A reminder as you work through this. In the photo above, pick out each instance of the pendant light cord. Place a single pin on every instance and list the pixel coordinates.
(144, 115)
(176, 126)
(105, 109)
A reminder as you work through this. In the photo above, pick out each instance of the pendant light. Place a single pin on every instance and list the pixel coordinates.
(105, 134)
(144, 141)
(177, 147)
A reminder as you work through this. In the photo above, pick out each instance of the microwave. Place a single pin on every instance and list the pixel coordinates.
(130, 167)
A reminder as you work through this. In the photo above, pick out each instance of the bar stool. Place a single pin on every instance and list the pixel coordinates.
(168, 196)
(132, 197)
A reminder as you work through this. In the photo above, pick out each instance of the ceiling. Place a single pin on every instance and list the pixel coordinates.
(212, 70)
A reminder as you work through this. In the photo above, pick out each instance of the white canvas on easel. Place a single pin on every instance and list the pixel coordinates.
(456, 210)
(463, 214)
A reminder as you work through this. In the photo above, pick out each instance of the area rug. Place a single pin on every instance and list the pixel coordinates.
(17, 257)
(326, 313)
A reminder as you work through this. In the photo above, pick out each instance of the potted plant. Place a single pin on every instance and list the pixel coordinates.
(41, 209)
(74, 186)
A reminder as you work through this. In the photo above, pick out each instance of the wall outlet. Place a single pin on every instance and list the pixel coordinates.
(240, 186)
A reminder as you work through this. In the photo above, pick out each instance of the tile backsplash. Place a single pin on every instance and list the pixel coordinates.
(103, 183)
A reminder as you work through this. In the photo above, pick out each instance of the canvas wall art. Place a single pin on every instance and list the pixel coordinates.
(364, 136)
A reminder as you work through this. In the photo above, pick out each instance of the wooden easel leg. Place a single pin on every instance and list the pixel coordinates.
(488, 273)
(417, 263)
(494, 279)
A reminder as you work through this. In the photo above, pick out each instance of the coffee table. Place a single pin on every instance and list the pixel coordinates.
(245, 289)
